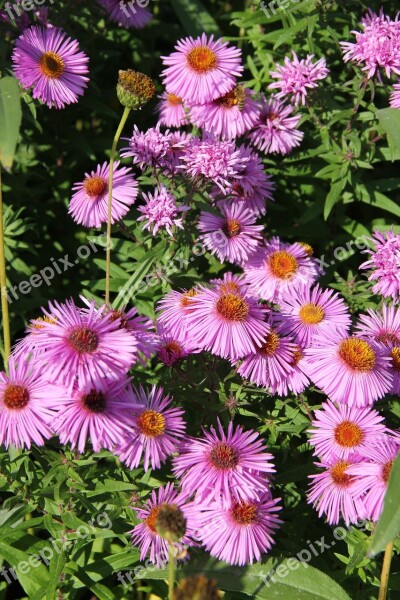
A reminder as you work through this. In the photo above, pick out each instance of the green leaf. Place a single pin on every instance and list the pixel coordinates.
(10, 119)
(194, 18)
(56, 567)
(334, 196)
(133, 283)
(388, 526)
(389, 119)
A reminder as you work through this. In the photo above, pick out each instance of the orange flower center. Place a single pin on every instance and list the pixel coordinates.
(357, 354)
(235, 97)
(185, 300)
(271, 344)
(174, 100)
(311, 314)
(15, 396)
(387, 338)
(95, 186)
(307, 248)
(232, 228)
(38, 325)
(297, 356)
(202, 59)
(395, 354)
(151, 423)
(52, 65)
(338, 474)
(152, 519)
(94, 401)
(223, 456)
(114, 315)
(282, 264)
(83, 340)
(386, 471)
(348, 434)
(232, 307)
(173, 348)
(244, 513)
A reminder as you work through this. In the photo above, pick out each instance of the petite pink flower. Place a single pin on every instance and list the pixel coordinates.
(276, 130)
(147, 148)
(172, 111)
(384, 264)
(161, 211)
(174, 313)
(296, 77)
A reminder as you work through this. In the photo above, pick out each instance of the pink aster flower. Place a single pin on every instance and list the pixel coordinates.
(226, 323)
(75, 344)
(170, 162)
(377, 46)
(275, 130)
(140, 328)
(383, 326)
(27, 404)
(233, 236)
(295, 77)
(145, 535)
(224, 466)
(161, 211)
(230, 283)
(339, 431)
(395, 96)
(335, 492)
(156, 432)
(130, 15)
(385, 264)
(171, 351)
(147, 148)
(228, 116)
(214, 160)
(172, 111)
(296, 381)
(349, 370)
(311, 311)
(240, 532)
(174, 313)
(89, 204)
(373, 474)
(99, 412)
(50, 62)
(278, 269)
(201, 69)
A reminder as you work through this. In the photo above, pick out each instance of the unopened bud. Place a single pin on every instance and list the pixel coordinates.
(197, 588)
(170, 523)
(134, 89)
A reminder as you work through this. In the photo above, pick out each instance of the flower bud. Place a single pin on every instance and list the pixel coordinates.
(134, 89)
(197, 588)
(170, 523)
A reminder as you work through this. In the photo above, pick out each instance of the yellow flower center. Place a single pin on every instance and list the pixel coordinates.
(95, 186)
(151, 423)
(386, 471)
(348, 434)
(15, 396)
(223, 456)
(186, 297)
(152, 519)
(202, 59)
(338, 474)
(271, 344)
(244, 513)
(232, 228)
(282, 264)
(52, 65)
(83, 339)
(232, 307)
(357, 354)
(174, 100)
(307, 248)
(311, 314)
(297, 356)
(395, 354)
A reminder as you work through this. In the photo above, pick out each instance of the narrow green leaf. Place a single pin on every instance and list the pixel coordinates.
(388, 526)
(133, 283)
(194, 18)
(10, 119)
(389, 119)
(56, 567)
(333, 196)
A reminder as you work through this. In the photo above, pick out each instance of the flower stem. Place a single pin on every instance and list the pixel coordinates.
(3, 287)
(387, 559)
(110, 183)
(171, 573)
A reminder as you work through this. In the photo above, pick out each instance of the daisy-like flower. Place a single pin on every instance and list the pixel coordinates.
(171, 351)
(372, 474)
(224, 466)
(140, 328)
(230, 284)
(147, 148)
(240, 532)
(216, 161)
(174, 312)
(233, 236)
(311, 311)
(296, 381)
(227, 323)
(156, 431)
(349, 370)
(385, 264)
(275, 130)
(172, 111)
(89, 204)
(278, 269)
(27, 403)
(295, 77)
(382, 326)
(99, 412)
(395, 96)
(335, 492)
(228, 116)
(145, 534)
(161, 211)
(377, 46)
(339, 431)
(75, 344)
(271, 363)
(201, 69)
(50, 62)
(130, 16)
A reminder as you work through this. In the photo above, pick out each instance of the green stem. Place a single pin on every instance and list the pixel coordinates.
(171, 573)
(110, 183)
(387, 559)
(3, 287)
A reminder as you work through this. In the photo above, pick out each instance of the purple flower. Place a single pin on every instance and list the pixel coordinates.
(89, 204)
(172, 111)
(129, 15)
(201, 69)
(156, 431)
(276, 131)
(385, 264)
(161, 211)
(234, 235)
(224, 466)
(174, 312)
(296, 77)
(147, 148)
(51, 63)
